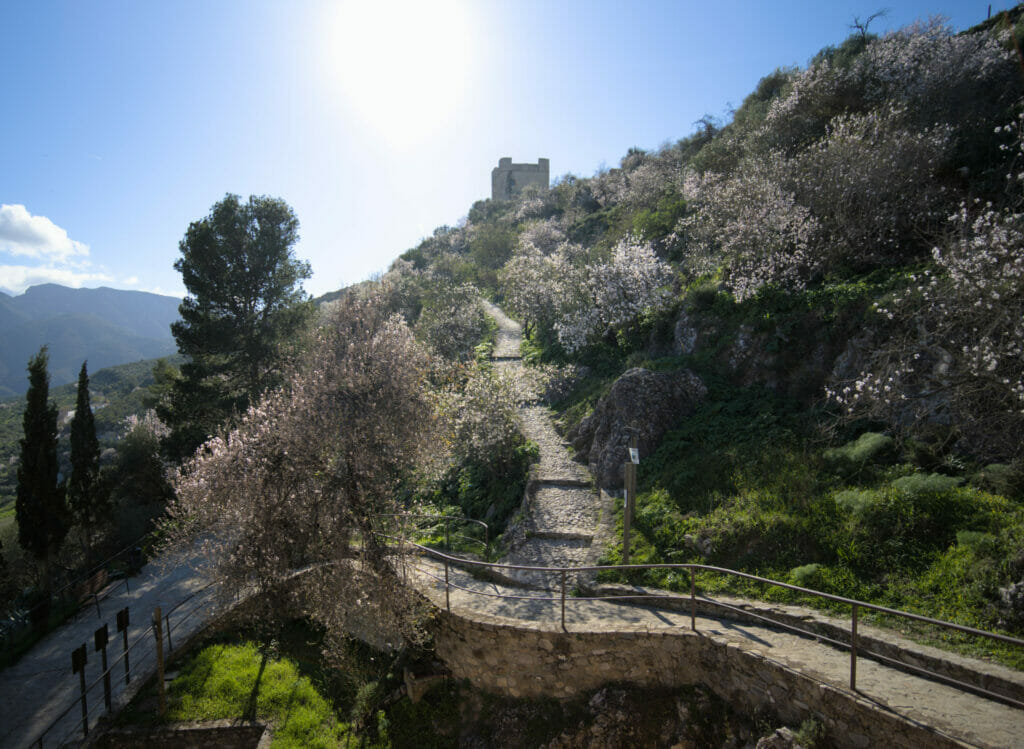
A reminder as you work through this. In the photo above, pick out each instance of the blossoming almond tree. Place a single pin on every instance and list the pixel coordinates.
(303, 481)
(953, 345)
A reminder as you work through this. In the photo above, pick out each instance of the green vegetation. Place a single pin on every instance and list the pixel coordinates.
(355, 704)
(840, 265)
(244, 308)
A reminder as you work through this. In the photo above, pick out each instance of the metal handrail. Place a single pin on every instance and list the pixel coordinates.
(855, 605)
(81, 578)
(146, 632)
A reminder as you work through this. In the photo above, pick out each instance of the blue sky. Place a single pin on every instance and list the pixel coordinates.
(122, 122)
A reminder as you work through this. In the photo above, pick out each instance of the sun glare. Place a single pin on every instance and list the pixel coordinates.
(403, 67)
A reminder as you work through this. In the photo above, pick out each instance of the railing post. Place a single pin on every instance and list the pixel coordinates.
(853, 650)
(563, 600)
(447, 596)
(447, 543)
(167, 618)
(693, 599)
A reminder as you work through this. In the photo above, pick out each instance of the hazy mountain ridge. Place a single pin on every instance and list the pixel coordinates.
(105, 326)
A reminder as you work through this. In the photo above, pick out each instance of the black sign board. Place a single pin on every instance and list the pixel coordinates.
(101, 637)
(122, 619)
(78, 659)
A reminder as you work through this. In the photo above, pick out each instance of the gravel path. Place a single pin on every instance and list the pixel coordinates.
(563, 509)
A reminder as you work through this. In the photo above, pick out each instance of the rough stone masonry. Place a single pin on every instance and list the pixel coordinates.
(508, 179)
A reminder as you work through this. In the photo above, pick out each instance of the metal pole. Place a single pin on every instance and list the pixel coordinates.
(853, 650)
(78, 657)
(100, 640)
(693, 599)
(563, 599)
(122, 627)
(161, 687)
(167, 618)
(447, 597)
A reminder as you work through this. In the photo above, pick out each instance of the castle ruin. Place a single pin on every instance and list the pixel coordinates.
(508, 179)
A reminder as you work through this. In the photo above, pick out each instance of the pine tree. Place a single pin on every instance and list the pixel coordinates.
(245, 307)
(40, 508)
(86, 495)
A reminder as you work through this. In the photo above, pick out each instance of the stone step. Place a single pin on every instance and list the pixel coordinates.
(563, 482)
(558, 536)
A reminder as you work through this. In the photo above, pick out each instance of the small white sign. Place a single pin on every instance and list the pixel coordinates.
(634, 455)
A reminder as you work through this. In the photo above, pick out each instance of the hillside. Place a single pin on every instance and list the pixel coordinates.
(115, 393)
(810, 318)
(106, 326)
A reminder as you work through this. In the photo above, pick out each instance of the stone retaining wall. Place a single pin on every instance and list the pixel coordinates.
(221, 734)
(537, 660)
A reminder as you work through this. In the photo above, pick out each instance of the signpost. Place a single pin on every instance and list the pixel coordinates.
(100, 639)
(630, 496)
(122, 627)
(78, 657)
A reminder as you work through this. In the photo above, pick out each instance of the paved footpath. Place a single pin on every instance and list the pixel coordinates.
(563, 508)
(563, 527)
(970, 719)
(40, 686)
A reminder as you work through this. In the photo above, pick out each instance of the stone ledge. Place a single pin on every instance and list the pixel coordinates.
(208, 735)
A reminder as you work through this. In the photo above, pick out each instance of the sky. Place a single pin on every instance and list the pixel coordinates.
(123, 122)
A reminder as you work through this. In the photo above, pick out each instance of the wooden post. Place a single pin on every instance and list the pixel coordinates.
(626, 514)
(629, 502)
(160, 686)
(634, 449)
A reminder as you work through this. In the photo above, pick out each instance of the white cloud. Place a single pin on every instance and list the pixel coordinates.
(16, 278)
(25, 235)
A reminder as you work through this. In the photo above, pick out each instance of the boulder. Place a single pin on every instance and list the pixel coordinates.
(642, 402)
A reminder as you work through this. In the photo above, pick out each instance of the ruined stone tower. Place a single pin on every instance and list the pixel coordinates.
(507, 178)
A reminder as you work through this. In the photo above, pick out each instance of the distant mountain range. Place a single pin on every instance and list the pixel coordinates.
(104, 326)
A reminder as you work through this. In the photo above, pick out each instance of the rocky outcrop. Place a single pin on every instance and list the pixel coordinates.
(642, 402)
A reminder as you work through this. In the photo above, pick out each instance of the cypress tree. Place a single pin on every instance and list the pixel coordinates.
(86, 497)
(40, 509)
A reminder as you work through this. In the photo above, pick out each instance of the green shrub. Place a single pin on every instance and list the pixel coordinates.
(932, 483)
(1002, 478)
(806, 576)
(855, 501)
(979, 542)
(858, 457)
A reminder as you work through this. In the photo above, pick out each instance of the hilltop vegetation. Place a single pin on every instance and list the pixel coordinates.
(842, 265)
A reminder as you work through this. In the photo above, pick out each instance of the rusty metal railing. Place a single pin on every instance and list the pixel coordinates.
(855, 643)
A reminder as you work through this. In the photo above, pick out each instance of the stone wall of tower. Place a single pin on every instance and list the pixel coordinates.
(508, 179)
